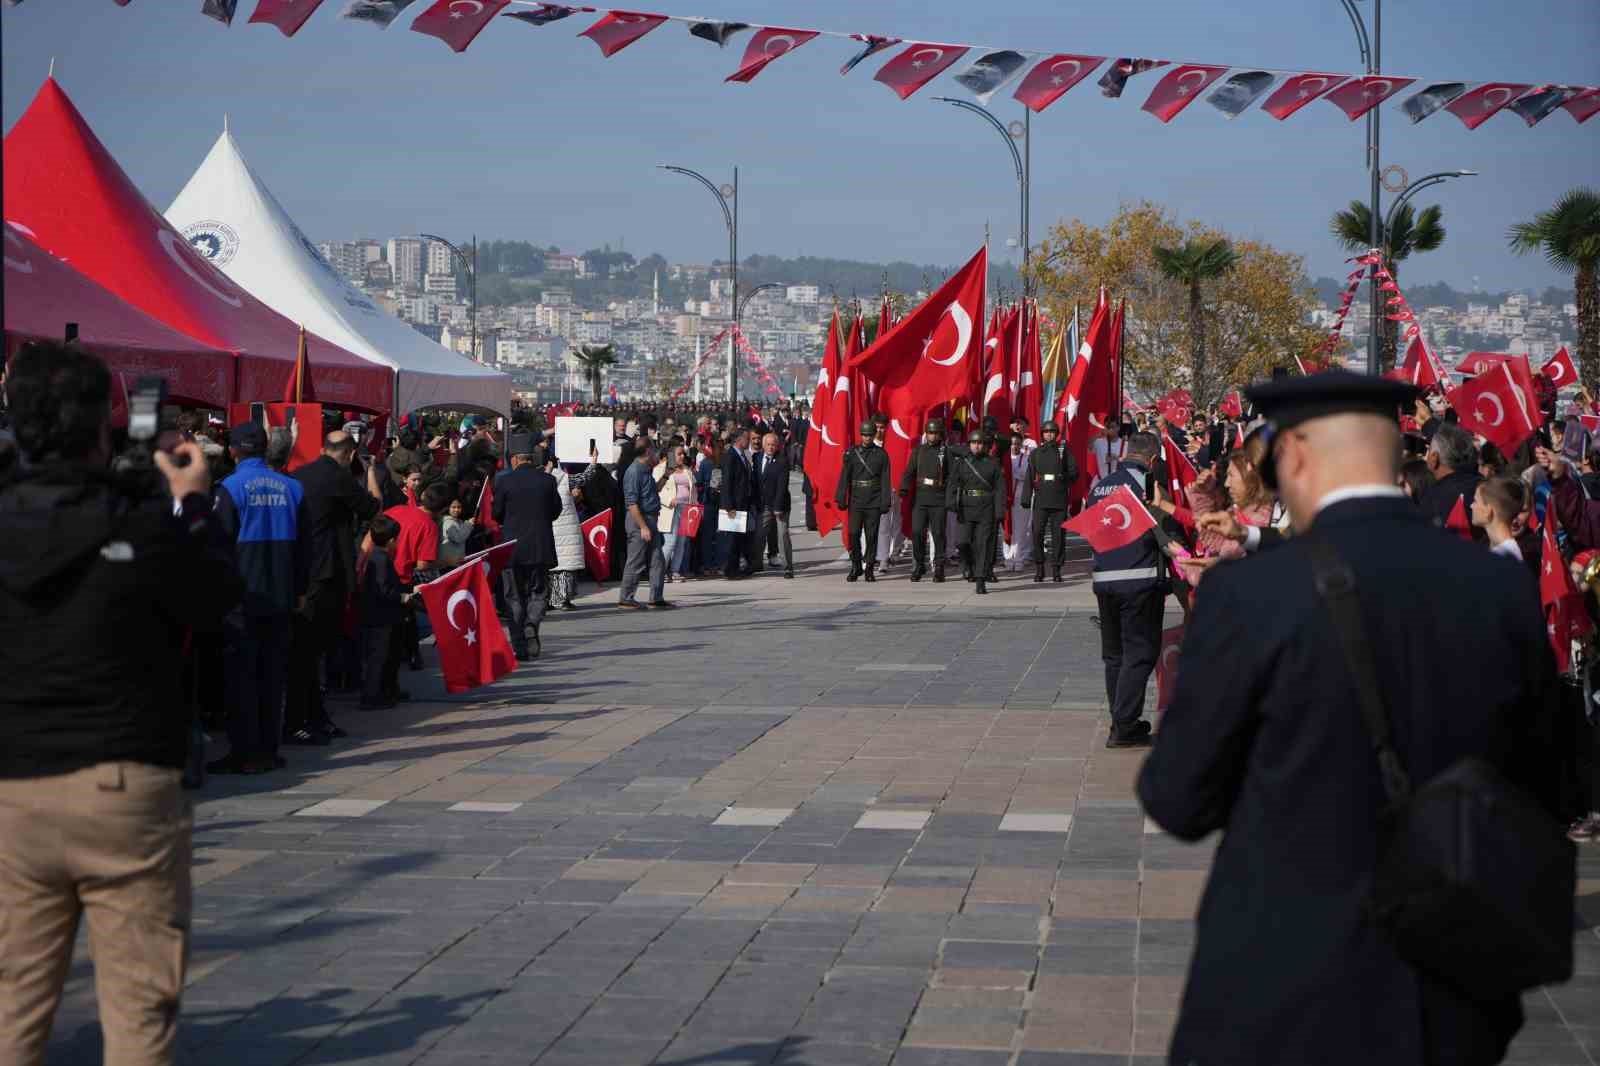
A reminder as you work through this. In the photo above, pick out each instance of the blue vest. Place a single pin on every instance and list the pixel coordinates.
(1133, 567)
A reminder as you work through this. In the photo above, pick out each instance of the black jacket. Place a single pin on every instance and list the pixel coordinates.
(380, 592)
(927, 464)
(1051, 471)
(1439, 499)
(98, 592)
(1263, 741)
(977, 489)
(526, 504)
(334, 503)
(864, 479)
(772, 483)
(738, 482)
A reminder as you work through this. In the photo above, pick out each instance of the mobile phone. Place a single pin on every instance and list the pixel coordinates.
(258, 413)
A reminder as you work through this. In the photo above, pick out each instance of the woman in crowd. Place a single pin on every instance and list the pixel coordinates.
(709, 479)
(568, 532)
(682, 488)
(454, 530)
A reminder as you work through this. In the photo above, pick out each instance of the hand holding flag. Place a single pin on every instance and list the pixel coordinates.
(1118, 519)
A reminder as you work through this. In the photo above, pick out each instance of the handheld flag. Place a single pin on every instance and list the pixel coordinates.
(473, 648)
(597, 545)
(1118, 519)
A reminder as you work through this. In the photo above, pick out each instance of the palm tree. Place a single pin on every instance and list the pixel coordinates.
(1410, 232)
(1569, 233)
(593, 359)
(1190, 264)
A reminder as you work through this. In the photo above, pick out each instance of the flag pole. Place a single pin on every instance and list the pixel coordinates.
(1122, 333)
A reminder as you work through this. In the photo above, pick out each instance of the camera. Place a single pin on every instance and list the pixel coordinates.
(136, 466)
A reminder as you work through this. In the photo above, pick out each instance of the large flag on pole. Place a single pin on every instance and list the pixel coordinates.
(1089, 391)
(824, 453)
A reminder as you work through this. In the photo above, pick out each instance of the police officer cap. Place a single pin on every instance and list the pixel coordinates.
(1049, 427)
(935, 425)
(1291, 401)
(520, 444)
(869, 429)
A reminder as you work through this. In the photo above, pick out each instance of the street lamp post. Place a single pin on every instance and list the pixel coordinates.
(1023, 161)
(730, 215)
(1371, 55)
(1384, 234)
(471, 266)
(751, 295)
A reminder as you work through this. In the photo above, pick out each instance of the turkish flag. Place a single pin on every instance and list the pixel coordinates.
(1476, 107)
(1090, 390)
(457, 22)
(917, 66)
(484, 516)
(1359, 95)
(1003, 342)
(473, 649)
(1052, 77)
(1028, 383)
(830, 432)
(1560, 369)
(1500, 405)
(692, 515)
(1175, 407)
(1180, 471)
(1298, 91)
(1232, 406)
(1479, 363)
(930, 356)
(1117, 519)
(1583, 106)
(1555, 581)
(819, 399)
(768, 44)
(299, 389)
(1458, 522)
(303, 421)
(1181, 87)
(494, 560)
(287, 15)
(597, 545)
(1167, 667)
(616, 30)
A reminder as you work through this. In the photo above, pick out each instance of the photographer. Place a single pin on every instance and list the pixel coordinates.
(98, 584)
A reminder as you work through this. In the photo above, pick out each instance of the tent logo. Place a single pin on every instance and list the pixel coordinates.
(216, 241)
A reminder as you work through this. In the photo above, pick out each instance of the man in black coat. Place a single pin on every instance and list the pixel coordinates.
(976, 494)
(1453, 461)
(926, 474)
(1051, 472)
(772, 498)
(1264, 741)
(526, 504)
(739, 494)
(864, 491)
(334, 503)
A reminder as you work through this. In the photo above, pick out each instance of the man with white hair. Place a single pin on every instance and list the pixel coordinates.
(1268, 739)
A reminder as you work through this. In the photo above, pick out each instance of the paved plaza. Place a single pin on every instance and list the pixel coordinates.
(800, 822)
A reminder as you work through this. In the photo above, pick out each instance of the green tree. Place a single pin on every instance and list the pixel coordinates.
(593, 359)
(1569, 236)
(1192, 264)
(1410, 232)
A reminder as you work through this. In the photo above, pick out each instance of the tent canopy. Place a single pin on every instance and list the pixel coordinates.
(79, 205)
(233, 219)
(43, 294)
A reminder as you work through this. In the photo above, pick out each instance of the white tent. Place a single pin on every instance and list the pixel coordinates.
(231, 218)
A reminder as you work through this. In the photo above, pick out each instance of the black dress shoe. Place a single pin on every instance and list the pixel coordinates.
(1137, 740)
(869, 575)
(788, 573)
(661, 604)
(981, 590)
(1055, 575)
(938, 575)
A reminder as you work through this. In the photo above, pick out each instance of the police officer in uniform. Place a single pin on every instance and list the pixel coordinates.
(977, 490)
(1265, 741)
(1050, 473)
(927, 472)
(1130, 585)
(864, 490)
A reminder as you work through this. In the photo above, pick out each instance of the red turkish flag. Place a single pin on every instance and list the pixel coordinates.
(494, 560)
(820, 398)
(1117, 519)
(1359, 95)
(457, 22)
(768, 44)
(1232, 406)
(1583, 106)
(1479, 363)
(829, 436)
(1181, 87)
(1175, 407)
(1051, 78)
(693, 514)
(1560, 369)
(484, 517)
(1167, 667)
(1555, 581)
(917, 66)
(1180, 471)
(1499, 405)
(1475, 108)
(930, 356)
(473, 649)
(597, 545)
(1089, 398)
(1028, 387)
(1458, 522)
(616, 30)
(1419, 368)
(287, 15)
(999, 349)
(1298, 91)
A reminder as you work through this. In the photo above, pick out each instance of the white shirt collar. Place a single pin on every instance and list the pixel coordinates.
(1358, 492)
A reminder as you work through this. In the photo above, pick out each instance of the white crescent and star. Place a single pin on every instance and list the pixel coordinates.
(1489, 103)
(599, 538)
(1127, 519)
(1183, 89)
(786, 38)
(21, 266)
(458, 597)
(1560, 374)
(963, 321)
(1378, 88)
(170, 242)
(475, 7)
(894, 424)
(1499, 409)
(1321, 83)
(916, 60)
(1075, 65)
(991, 387)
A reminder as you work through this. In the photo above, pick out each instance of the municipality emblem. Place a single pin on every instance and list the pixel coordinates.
(215, 240)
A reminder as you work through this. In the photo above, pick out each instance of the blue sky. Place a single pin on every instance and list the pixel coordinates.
(531, 134)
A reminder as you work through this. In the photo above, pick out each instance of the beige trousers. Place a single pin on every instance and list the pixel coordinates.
(111, 843)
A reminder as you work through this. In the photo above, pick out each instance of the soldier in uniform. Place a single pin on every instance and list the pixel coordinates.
(864, 491)
(1050, 473)
(1265, 742)
(976, 493)
(927, 472)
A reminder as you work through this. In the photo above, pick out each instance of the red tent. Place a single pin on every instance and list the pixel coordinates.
(43, 294)
(78, 205)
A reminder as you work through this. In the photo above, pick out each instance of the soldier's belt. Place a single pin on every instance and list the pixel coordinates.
(976, 492)
(865, 484)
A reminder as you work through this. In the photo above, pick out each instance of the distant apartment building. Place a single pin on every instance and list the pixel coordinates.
(802, 294)
(443, 285)
(561, 263)
(440, 259)
(556, 298)
(379, 275)
(591, 331)
(528, 350)
(406, 262)
(417, 308)
(346, 257)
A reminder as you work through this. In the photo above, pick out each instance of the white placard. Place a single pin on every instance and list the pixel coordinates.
(737, 524)
(573, 434)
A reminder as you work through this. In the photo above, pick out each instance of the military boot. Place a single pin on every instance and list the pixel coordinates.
(870, 568)
(938, 573)
(917, 571)
(1055, 574)
(1038, 572)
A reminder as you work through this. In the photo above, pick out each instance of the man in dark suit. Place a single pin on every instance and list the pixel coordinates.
(1264, 740)
(739, 494)
(526, 504)
(334, 503)
(1453, 461)
(772, 498)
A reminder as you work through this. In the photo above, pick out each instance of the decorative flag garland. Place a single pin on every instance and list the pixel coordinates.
(1044, 76)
